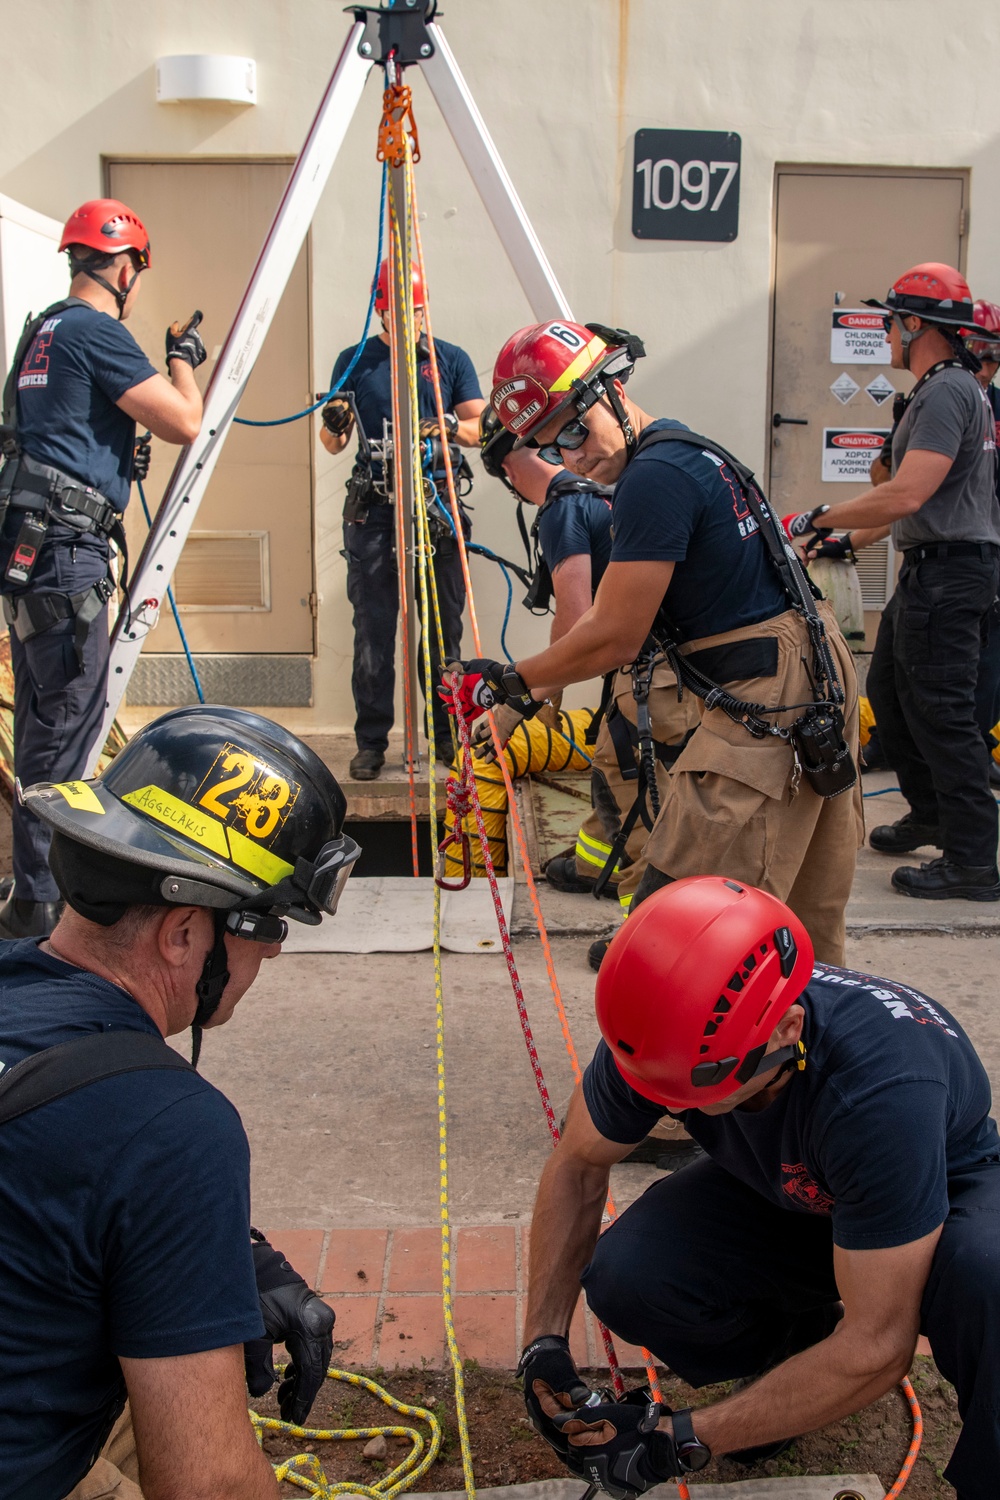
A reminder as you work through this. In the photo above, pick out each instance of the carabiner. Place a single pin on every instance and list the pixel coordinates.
(457, 836)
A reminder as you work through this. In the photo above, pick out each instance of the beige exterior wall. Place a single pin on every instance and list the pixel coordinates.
(563, 85)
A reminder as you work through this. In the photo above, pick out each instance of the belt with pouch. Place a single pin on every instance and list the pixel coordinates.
(26, 484)
(29, 614)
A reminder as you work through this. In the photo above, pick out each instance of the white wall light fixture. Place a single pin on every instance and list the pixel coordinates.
(206, 77)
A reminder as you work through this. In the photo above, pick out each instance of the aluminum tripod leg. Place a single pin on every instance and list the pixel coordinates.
(193, 469)
(488, 172)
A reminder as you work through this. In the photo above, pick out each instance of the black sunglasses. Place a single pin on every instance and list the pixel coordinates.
(573, 435)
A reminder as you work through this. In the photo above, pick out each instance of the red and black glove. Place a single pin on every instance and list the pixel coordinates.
(294, 1316)
(798, 528)
(142, 456)
(484, 685)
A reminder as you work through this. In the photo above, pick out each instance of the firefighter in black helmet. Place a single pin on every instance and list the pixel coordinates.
(136, 1273)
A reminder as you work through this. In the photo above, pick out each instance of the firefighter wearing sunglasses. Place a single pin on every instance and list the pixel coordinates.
(691, 569)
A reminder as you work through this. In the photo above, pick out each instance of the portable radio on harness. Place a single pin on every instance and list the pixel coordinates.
(32, 534)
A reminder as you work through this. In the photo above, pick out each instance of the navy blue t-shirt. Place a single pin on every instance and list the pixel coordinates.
(677, 503)
(80, 362)
(371, 383)
(893, 1103)
(124, 1228)
(575, 521)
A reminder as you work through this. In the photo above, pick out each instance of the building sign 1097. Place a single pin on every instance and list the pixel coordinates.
(686, 185)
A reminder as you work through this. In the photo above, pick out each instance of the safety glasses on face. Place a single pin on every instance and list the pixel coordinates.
(573, 435)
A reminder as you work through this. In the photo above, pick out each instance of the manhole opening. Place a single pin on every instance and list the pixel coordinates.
(387, 847)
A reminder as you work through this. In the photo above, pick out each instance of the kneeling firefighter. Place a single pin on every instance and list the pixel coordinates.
(369, 527)
(78, 385)
(766, 788)
(569, 550)
(136, 1275)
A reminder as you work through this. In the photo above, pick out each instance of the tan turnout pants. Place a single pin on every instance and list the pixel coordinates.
(736, 806)
(115, 1474)
(612, 795)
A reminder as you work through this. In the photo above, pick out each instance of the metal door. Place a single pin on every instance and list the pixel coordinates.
(842, 235)
(244, 583)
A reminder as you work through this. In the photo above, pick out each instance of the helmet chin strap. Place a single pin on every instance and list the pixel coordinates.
(624, 421)
(908, 337)
(121, 297)
(211, 985)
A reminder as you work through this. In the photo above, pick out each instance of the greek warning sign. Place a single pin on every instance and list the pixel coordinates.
(848, 452)
(858, 337)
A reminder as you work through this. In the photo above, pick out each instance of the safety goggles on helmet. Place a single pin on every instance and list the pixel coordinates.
(984, 349)
(324, 885)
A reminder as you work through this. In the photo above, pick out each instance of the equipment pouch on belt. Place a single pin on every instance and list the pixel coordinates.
(818, 735)
(360, 492)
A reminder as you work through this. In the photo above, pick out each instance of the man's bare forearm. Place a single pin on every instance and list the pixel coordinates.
(838, 1376)
(564, 1229)
(587, 650)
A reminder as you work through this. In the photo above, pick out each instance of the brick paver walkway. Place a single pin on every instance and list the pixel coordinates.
(385, 1285)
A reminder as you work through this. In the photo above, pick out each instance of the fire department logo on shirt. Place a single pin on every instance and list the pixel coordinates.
(799, 1186)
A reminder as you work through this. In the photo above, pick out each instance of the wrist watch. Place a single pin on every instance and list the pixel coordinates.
(517, 692)
(692, 1453)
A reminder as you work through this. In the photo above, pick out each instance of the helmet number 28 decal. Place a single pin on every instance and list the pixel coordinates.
(565, 336)
(241, 790)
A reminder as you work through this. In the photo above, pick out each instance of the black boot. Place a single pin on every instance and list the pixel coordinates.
(22, 919)
(596, 952)
(366, 765)
(905, 835)
(563, 873)
(809, 1328)
(941, 880)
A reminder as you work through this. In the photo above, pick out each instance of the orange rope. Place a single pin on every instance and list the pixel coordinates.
(915, 1442)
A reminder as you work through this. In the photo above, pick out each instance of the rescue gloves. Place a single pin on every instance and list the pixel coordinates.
(294, 1316)
(618, 1446)
(835, 548)
(484, 685)
(430, 427)
(142, 457)
(337, 416)
(548, 1371)
(184, 342)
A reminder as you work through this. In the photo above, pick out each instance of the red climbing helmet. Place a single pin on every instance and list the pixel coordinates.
(932, 291)
(382, 288)
(987, 316)
(110, 226)
(547, 368)
(693, 985)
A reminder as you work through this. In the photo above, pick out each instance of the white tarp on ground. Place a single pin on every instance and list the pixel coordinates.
(812, 1488)
(395, 914)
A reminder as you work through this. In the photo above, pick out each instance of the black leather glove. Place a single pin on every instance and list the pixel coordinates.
(142, 457)
(430, 427)
(484, 684)
(547, 1368)
(618, 1447)
(184, 342)
(337, 416)
(296, 1317)
(836, 548)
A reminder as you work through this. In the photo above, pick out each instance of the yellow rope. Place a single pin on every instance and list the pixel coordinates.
(306, 1470)
(428, 600)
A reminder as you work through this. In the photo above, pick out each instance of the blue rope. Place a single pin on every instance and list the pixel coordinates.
(173, 603)
(335, 386)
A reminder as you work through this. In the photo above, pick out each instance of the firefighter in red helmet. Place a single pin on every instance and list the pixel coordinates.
(699, 577)
(941, 505)
(848, 1199)
(78, 386)
(369, 534)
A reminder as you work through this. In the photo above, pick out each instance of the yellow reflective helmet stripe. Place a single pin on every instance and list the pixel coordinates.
(180, 816)
(201, 828)
(583, 362)
(260, 862)
(79, 796)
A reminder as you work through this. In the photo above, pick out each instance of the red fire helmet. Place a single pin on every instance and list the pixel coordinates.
(545, 368)
(382, 287)
(693, 985)
(108, 225)
(932, 291)
(987, 316)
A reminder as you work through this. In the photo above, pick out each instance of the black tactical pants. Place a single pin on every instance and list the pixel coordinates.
(922, 686)
(719, 1283)
(373, 589)
(58, 710)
